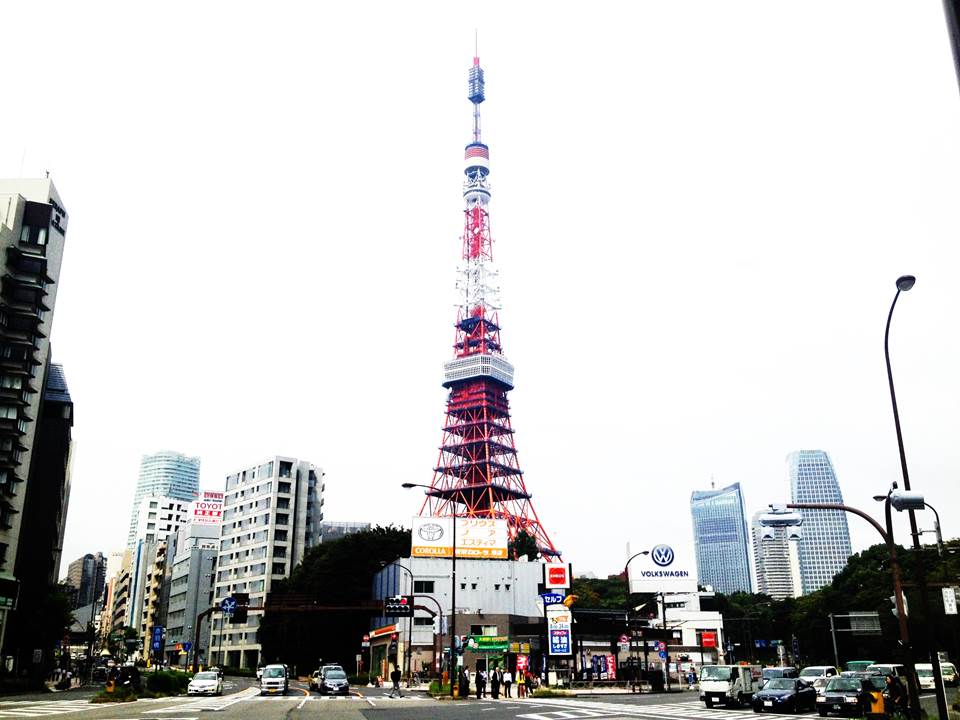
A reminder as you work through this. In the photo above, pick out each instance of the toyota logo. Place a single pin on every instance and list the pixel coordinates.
(662, 555)
(430, 532)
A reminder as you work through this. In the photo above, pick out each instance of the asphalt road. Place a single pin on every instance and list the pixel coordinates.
(242, 701)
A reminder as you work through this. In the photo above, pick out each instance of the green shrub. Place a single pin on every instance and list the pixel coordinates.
(550, 693)
(166, 682)
(121, 694)
(437, 689)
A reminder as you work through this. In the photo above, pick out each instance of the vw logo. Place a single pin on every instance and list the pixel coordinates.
(430, 532)
(662, 555)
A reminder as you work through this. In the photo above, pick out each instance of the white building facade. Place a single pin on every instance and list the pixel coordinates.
(776, 561)
(271, 515)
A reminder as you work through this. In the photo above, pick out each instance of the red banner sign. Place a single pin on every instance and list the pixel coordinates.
(708, 639)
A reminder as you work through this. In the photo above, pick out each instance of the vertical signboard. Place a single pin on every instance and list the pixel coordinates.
(476, 537)
(559, 630)
(207, 509)
(949, 601)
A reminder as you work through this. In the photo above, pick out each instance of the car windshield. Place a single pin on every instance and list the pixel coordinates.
(715, 672)
(842, 684)
(811, 672)
(879, 682)
(336, 675)
(273, 672)
(779, 684)
(924, 671)
(205, 676)
(882, 669)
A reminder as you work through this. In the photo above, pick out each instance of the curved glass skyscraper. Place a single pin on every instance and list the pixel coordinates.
(825, 538)
(720, 539)
(165, 474)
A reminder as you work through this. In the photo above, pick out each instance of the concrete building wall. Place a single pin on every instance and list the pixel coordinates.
(191, 571)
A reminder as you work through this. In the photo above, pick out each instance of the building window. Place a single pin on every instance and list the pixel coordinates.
(283, 503)
(279, 569)
(283, 487)
(421, 621)
(286, 468)
(281, 535)
(283, 519)
(279, 552)
(423, 586)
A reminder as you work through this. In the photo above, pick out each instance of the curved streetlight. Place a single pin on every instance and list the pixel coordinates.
(453, 589)
(905, 283)
(626, 578)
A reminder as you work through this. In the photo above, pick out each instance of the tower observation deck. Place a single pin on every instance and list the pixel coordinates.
(477, 473)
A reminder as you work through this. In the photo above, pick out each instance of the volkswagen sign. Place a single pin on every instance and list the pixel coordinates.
(666, 568)
(662, 555)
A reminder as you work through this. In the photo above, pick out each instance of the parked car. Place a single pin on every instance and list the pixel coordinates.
(894, 669)
(274, 680)
(333, 681)
(949, 672)
(315, 677)
(782, 694)
(205, 683)
(845, 696)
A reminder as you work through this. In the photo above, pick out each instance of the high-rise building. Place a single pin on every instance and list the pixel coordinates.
(33, 226)
(720, 539)
(32, 233)
(157, 519)
(271, 516)
(86, 575)
(775, 561)
(825, 539)
(164, 474)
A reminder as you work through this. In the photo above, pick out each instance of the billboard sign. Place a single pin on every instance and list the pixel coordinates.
(559, 629)
(207, 509)
(476, 537)
(708, 639)
(556, 576)
(667, 568)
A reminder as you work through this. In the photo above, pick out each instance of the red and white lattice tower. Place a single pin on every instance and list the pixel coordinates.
(478, 474)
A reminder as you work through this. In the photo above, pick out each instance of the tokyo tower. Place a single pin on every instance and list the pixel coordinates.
(478, 474)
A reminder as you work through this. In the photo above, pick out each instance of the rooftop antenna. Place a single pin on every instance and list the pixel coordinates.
(713, 485)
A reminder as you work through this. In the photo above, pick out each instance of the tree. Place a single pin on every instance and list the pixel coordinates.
(333, 573)
(523, 544)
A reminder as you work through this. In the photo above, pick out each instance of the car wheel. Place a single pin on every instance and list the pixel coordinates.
(822, 712)
(757, 708)
(708, 702)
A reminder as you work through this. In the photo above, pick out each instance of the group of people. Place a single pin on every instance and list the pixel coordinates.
(499, 680)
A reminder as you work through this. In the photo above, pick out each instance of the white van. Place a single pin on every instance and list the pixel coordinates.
(895, 669)
(274, 680)
(812, 672)
(925, 675)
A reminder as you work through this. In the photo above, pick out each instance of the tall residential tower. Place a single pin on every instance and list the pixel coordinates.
(776, 561)
(720, 539)
(825, 539)
(164, 474)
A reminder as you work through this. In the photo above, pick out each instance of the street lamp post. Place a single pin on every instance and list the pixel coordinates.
(428, 597)
(408, 651)
(770, 520)
(453, 589)
(904, 283)
(626, 578)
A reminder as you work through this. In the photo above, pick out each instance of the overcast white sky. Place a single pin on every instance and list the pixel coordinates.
(699, 212)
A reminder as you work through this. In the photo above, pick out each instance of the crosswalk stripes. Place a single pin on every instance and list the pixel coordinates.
(41, 708)
(568, 709)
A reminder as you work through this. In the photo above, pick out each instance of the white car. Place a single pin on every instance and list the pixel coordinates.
(925, 675)
(205, 683)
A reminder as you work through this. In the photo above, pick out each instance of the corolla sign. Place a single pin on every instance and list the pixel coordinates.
(663, 569)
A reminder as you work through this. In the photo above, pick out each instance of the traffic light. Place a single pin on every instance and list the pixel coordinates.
(392, 649)
(239, 616)
(398, 606)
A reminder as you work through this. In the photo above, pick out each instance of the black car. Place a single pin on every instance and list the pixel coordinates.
(784, 695)
(845, 696)
(333, 681)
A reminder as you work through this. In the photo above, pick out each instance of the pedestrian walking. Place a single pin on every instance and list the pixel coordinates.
(507, 681)
(463, 681)
(495, 685)
(521, 685)
(395, 679)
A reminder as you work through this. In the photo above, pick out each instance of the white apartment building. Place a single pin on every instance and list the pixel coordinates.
(776, 561)
(271, 516)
